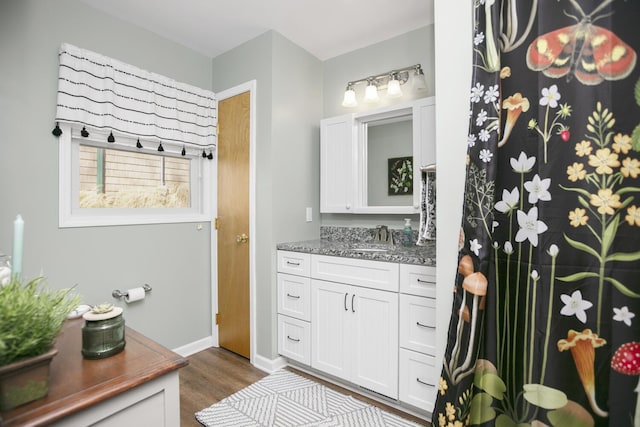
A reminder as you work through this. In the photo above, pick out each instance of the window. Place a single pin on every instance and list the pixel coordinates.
(105, 183)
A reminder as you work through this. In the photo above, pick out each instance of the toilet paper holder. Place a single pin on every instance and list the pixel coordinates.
(120, 294)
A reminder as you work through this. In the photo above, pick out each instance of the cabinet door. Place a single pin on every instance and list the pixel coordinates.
(375, 340)
(329, 328)
(337, 164)
(424, 133)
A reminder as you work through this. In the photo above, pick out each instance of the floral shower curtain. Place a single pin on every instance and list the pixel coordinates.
(544, 328)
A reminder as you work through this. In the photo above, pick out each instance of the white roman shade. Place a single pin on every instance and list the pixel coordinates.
(102, 93)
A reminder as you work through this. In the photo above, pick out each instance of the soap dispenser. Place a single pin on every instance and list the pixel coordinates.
(407, 233)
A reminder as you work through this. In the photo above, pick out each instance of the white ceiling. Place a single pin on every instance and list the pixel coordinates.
(325, 28)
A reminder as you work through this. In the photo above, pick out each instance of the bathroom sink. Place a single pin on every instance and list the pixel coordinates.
(367, 249)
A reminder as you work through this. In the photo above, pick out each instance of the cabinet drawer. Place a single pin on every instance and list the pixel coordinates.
(417, 323)
(294, 296)
(294, 263)
(372, 274)
(418, 280)
(418, 379)
(294, 339)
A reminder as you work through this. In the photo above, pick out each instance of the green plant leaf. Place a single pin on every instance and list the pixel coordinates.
(583, 247)
(621, 256)
(622, 288)
(544, 397)
(628, 189)
(577, 190)
(493, 385)
(505, 421)
(610, 234)
(578, 276)
(481, 410)
(635, 138)
(636, 92)
(571, 415)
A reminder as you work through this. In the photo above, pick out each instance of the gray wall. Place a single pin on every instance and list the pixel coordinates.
(173, 259)
(294, 91)
(288, 93)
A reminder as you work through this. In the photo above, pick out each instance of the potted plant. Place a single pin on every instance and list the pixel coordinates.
(31, 316)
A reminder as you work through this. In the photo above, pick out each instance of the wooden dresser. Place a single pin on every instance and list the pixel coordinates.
(138, 386)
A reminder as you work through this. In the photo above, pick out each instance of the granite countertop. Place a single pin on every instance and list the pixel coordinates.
(420, 255)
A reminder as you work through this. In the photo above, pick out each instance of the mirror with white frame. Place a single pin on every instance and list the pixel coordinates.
(385, 178)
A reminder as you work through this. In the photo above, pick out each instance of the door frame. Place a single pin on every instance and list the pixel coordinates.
(250, 87)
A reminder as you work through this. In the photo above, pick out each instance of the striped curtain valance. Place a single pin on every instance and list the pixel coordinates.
(100, 92)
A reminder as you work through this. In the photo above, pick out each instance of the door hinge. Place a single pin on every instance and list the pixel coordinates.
(217, 318)
(216, 223)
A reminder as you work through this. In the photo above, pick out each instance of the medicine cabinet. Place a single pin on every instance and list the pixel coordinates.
(370, 161)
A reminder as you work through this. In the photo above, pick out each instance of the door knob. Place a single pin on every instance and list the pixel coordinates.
(242, 238)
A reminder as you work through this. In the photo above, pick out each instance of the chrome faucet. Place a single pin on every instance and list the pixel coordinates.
(383, 235)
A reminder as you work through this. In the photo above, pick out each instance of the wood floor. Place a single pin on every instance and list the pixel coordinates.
(215, 373)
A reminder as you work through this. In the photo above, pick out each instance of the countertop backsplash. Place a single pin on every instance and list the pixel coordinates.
(360, 242)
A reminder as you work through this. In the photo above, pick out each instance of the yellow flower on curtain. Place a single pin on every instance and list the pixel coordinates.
(621, 143)
(605, 201)
(583, 148)
(576, 172)
(578, 217)
(604, 160)
(630, 168)
(633, 216)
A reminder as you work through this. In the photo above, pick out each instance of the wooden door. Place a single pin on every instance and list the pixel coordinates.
(233, 224)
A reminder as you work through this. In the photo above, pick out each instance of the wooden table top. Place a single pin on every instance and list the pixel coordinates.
(77, 383)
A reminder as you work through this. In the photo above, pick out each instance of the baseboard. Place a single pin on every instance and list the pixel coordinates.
(194, 347)
(268, 365)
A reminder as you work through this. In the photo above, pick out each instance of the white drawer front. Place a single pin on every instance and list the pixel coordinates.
(418, 280)
(294, 296)
(294, 263)
(418, 379)
(372, 274)
(417, 323)
(294, 339)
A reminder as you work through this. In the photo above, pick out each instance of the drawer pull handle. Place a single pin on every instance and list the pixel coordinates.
(423, 281)
(293, 263)
(293, 296)
(422, 325)
(425, 383)
(297, 340)
(345, 302)
(353, 309)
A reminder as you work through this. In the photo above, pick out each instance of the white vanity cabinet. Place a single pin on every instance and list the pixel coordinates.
(369, 323)
(354, 328)
(418, 374)
(294, 306)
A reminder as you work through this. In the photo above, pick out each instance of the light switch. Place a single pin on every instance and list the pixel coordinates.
(309, 215)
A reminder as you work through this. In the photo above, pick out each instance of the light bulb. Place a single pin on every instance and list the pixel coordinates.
(393, 88)
(419, 80)
(371, 93)
(349, 98)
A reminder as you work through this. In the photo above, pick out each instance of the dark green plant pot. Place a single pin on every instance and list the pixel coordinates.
(25, 380)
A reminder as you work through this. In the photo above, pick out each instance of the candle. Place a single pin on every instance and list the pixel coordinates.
(16, 259)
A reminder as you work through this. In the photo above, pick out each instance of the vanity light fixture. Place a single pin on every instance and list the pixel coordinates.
(393, 87)
(391, 81)
(349, 97)
(371, 92)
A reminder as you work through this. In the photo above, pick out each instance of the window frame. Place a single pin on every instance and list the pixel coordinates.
(71, 215)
